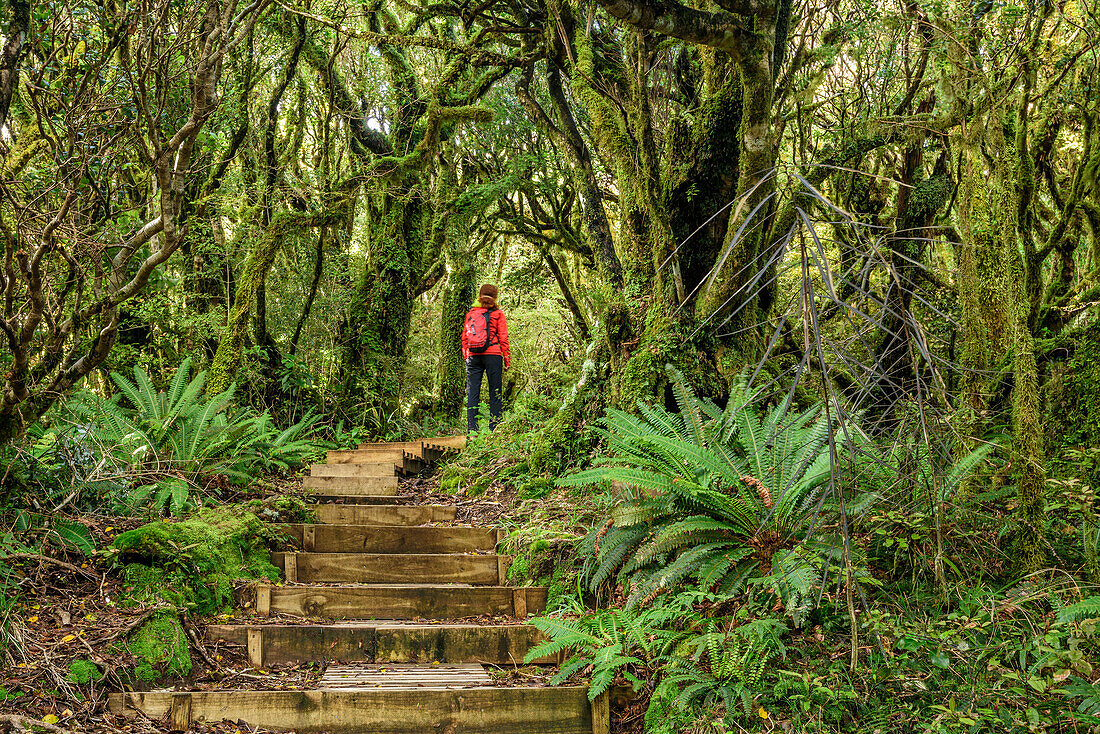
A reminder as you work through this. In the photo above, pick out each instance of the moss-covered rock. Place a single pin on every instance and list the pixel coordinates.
(193, 563)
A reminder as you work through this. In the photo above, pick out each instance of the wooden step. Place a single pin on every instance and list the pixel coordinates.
(484, 710)
(355, 456)
(350, 485)
(437, 677)
(451, 442)
(375, 539)
(392, 446)
(371, 469)
(399, 601)
(383, 642)
(390, 568)
(384, 514)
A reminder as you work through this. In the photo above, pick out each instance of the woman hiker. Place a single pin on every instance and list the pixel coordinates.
(485, 347)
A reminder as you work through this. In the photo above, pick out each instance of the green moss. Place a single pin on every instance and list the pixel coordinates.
(556, 585)
(520, 569)
(565, 438)
(536, 488)
(664, 342)
(160, 649)
(83, 671)
(194, 562)
(283, 508)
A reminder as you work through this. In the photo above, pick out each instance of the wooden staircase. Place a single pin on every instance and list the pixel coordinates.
(382, 592)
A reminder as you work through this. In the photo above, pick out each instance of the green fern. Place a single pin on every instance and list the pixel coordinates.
(180, 437)
(1085, 609)
(708, 485)
(610, 642)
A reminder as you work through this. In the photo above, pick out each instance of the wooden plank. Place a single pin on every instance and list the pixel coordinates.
(385, 514)
(519, 603)
(451, 442)
(531, 710)
(404, 675)
(376, 539)
(352, 485)
(371, 469)
(400, 602)
(391, 446)
(601, 714)
(387, 568)
(256, 647)
(389, 642)
(179, 712)
(356, 456)
(263, 600)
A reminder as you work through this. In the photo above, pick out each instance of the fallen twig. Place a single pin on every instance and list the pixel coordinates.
(52, 561)
(135, 623)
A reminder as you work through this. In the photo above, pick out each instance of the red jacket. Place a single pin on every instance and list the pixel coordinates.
(498, 335)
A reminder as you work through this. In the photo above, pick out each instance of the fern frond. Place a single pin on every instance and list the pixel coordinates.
(1085, 609)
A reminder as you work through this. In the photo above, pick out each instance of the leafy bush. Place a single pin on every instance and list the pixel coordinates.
(726, 670)
(726, 498)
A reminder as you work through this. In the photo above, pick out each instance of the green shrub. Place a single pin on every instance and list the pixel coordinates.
(724, 498)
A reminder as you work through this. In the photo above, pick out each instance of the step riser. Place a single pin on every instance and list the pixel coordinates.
(370, 568)
(374, 539)
(382, 469)
(400, 602)
(563, 710)
(363, 485)
(385, 644)
(315, 482)
(384, 514)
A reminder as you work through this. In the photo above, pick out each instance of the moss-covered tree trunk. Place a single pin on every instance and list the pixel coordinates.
(227, 360)
(381, 314)
(458, 296)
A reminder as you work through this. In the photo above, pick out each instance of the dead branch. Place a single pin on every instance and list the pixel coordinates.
(53, 562)
(17, 723)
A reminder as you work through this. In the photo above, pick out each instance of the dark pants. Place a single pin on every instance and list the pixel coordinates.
(492, 366)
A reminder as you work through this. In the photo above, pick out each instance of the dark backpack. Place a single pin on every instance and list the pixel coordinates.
(478, 336)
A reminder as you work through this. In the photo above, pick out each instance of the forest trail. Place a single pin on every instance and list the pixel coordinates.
(382, 591)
